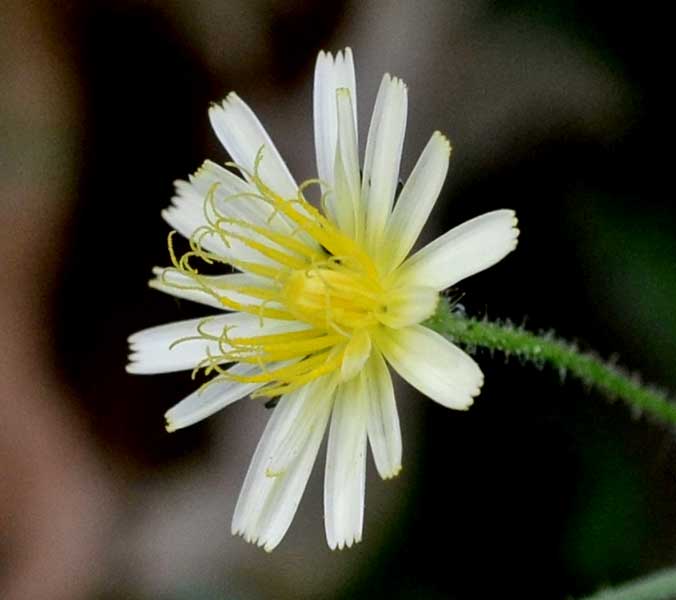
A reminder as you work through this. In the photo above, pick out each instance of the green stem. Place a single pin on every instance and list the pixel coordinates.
(658, 586)
(546, 349)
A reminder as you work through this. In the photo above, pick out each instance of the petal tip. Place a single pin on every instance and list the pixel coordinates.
(268, 547)
(392, 473)
(215, 109)
(443, 140)
(230, 98)
(218, 109)
(167, 212)
(399, 83)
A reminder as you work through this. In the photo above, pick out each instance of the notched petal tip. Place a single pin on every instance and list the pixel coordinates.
(257, 541)
(473, 394)
(323, 56)
(469, 402)
(397, 82)
(200, 171)
(169, 426)
(130, 367)
(514, 231)
(223, 104)
(443, 141)
(251, 539)
(341, 56)
(392, 473)
(346, 544)
(135, 338)
(133, 367)
(346, 55)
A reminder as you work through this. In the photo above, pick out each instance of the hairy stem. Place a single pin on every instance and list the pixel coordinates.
(542, 349)
(657, 586)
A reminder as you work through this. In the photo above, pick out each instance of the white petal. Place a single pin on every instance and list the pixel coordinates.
(463, 251)
(204, 402)
(290, 445)
(409, 305)
(356, 354)
(211, 185)
(238, 199)
(432, 364)
(228, 188)
(267, 504)
(346, 193)
(288, 489)
(383, 419)
(383, 155)
(215, 192)
(415, 202)
(243, 136)
(155, 350)
(257, 484)
(173, 282)
(344, 480)
(330, 75)
(186, 215)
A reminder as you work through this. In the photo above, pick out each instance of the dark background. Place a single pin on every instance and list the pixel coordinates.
(557, 109)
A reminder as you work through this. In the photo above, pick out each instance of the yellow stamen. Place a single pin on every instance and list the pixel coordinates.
(299, 380)
(290, 372)
(317, 276)
(326, 296)
(287, 351)
(281, 239)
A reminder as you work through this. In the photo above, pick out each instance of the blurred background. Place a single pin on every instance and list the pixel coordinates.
(555, 108)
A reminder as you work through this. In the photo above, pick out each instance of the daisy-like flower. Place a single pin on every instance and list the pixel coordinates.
(320, 301)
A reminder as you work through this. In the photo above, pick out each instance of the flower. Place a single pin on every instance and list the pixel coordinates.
(321, 301)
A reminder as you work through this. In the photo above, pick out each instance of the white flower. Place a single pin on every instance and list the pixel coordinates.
(321, 302)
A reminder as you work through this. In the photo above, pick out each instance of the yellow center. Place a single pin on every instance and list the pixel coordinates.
(315, 276)
(333, 298)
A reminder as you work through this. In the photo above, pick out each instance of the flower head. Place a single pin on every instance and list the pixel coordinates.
(321, 298)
